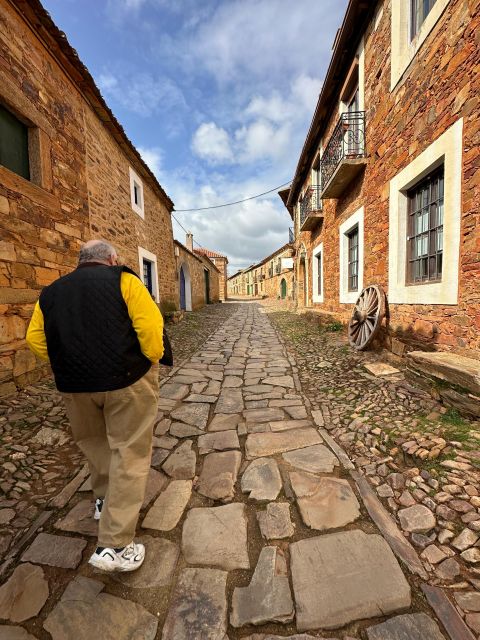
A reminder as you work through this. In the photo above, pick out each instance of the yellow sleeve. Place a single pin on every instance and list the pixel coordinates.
(145, 316)
(36, 339)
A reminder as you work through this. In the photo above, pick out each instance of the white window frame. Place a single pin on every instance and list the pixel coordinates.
(151, 257)
(403, 50)
(318, 250)
(135, 181)
(446, 150)
(356, 219)
(343, 106)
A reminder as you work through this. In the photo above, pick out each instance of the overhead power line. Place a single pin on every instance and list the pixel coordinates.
(182, 227)
(229, 204)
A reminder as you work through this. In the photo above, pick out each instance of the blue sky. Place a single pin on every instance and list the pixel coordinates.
(217, 95)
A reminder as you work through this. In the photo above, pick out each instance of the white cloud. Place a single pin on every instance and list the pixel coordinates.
(273, 39)
(153, 158)
(141, 92)
(212, 143)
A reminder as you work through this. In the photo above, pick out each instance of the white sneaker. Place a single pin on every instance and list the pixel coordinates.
(98, 508)
(129, 558)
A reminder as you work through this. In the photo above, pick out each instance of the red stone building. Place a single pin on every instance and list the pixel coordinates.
(387, 186)
(221, 262)
(67, 173)
(272, 277)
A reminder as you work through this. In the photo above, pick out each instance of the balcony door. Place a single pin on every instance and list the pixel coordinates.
(352, 126)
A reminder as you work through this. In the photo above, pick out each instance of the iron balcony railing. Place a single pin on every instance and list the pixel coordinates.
(347, 142)
(291, 235)
(311, 202)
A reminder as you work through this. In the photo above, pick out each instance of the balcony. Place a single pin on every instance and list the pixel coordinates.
(278, 268)
(344, 156)
(310, 209)
(270, 272)
(291, 235)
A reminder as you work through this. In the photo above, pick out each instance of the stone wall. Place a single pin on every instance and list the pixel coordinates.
(79, 189)
(112, 216)
(221, 264)
(441, 86)
(214, 278)
(194, 269)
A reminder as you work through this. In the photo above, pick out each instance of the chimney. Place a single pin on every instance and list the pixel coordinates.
(190, 242)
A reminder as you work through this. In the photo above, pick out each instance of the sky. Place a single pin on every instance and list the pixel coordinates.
(217, 95)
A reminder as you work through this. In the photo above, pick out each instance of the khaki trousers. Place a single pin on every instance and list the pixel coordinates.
(114, 431)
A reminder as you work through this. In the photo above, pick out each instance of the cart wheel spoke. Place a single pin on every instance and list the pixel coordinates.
(367, 317)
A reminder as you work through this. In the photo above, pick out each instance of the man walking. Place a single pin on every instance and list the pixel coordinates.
(102, 333)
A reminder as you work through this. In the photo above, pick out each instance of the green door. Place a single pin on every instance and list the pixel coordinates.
(283, 288)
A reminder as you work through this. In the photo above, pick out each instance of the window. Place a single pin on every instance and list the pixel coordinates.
(419, 11)
(425, 230)
(353, 259)
(149, 272)
(424, 224)
(136, 194)
(317, 273)
(147, 275)
(14, 144)
(411, 22)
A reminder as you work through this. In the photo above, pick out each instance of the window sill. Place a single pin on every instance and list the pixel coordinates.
(33, 192)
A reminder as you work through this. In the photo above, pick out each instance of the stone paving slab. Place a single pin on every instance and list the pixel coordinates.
(341, 577)
(161, 557)
(267, 598)
(174, 391)
(416, 626)
(285, 425)
(267, 444)
(8, 632)
(225, 422)
(56, 551)
(198, 610)
(23, 595)
(195, 414)
(181, 464)
(219, 474)
(324, 503)
(217, 537)
(218, 441)
(316, 459)
(83, 612)
(80, 519)
(168, 508)
(229, 401)
(262, 480)
(275, 522)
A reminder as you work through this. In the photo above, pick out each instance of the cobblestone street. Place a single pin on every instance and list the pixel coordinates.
(256, 522)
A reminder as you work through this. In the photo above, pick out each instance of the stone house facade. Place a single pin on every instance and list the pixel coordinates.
(387, 186)
(67, 173)
(197, 276)
(221, 262)
(270, 278)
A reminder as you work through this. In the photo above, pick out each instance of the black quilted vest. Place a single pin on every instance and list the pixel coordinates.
(91, 342)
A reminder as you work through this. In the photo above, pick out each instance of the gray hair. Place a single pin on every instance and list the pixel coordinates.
(100, 251)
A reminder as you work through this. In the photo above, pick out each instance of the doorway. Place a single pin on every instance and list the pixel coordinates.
(283, 289)
(207, 286)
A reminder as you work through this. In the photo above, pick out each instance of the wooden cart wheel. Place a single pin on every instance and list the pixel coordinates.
(367, 317)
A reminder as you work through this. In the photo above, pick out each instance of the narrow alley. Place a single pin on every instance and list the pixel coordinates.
(255, 520)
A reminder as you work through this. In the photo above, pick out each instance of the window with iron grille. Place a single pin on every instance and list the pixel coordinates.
(14, 144)
(425, 230)
(353, 259)
(147, 275)
(419, 11)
